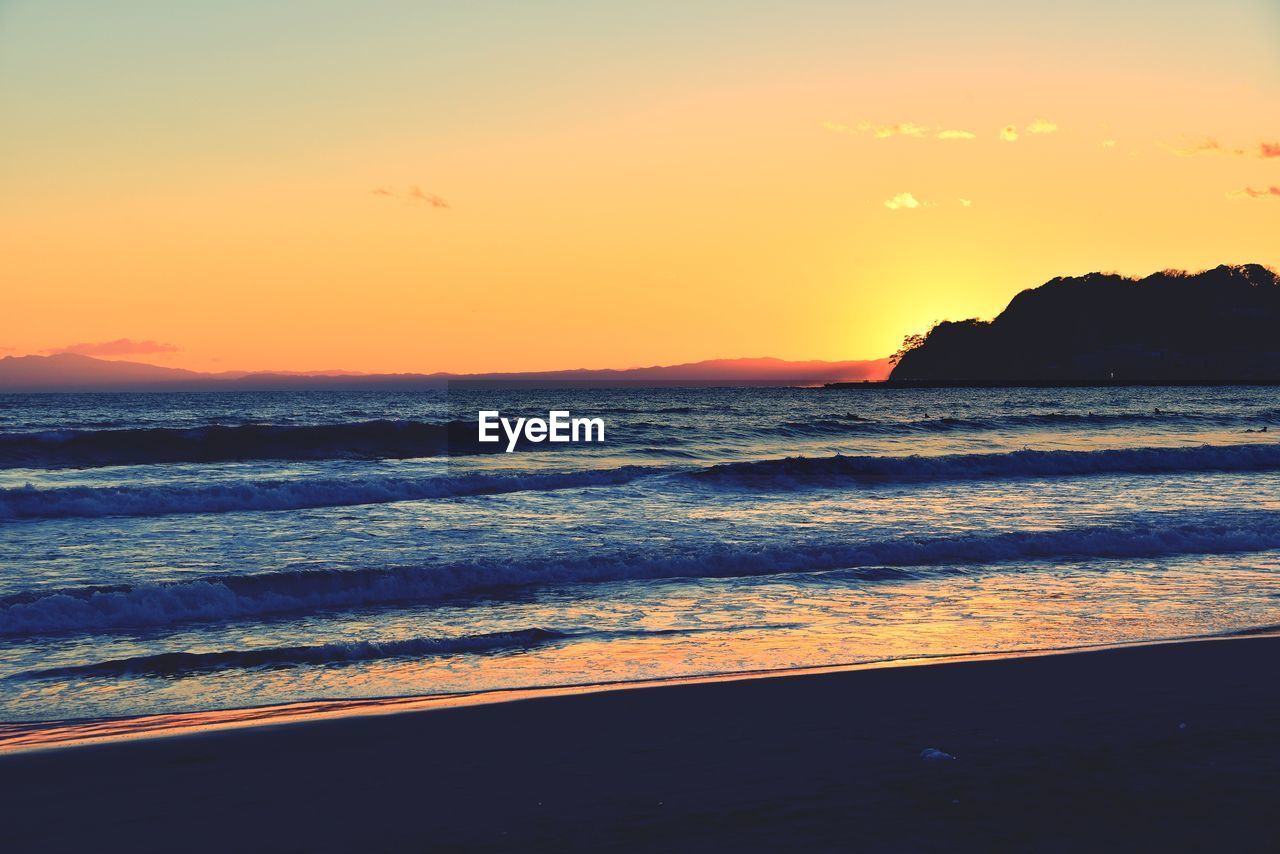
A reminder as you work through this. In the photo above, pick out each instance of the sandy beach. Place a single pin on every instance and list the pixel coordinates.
(640, 427)
(1171, 746)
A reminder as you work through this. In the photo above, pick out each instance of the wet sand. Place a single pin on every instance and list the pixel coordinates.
(1173, 746)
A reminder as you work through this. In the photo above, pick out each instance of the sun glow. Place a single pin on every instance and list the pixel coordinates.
(367, 196)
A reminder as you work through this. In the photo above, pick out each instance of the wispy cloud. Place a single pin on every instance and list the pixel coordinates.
(840, 127)
(1250, 193)
(898, 129)
(1204, 146)
(118, 347)
(879, 131)
(1040, 127)
(1107, 143)
(909, 202)
(1209, 145)
(887, 131)
(1009, 133)
(904, 202)
(432, 199)
(414, 194)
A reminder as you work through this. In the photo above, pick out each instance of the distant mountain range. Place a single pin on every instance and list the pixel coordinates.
(1220, 325)
(68, 372)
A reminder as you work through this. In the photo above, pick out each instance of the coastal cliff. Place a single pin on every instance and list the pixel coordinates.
(1217, 325)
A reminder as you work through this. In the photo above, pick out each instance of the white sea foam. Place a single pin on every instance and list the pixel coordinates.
(217, 598)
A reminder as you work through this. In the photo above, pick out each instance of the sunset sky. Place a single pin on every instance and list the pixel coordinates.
(411, 186)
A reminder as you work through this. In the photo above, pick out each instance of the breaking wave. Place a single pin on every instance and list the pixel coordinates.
(217, 598)
(167, 663)
(29, 502)
(353, 652)
(817, 471)
(406, 439)
(851, 424)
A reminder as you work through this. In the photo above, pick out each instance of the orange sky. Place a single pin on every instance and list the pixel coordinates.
(607, 188)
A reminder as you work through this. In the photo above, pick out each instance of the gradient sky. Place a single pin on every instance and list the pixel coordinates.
(412, 186)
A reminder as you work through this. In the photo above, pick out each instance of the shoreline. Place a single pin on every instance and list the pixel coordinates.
(1165, 745)
(34, 736)
(1094, 383)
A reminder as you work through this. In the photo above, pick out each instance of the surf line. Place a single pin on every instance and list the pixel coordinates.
(558, 426)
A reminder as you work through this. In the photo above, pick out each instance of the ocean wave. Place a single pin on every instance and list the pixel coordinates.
(354, 652)
(30, 502)
(847, 424)
(840, 469)
(221, 598)
(384, 439)
(654, 410)
(170, 663)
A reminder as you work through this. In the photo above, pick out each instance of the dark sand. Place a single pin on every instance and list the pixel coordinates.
(1174, 746)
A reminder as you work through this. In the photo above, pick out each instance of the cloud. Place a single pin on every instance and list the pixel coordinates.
(1009, 133)
(839, 127)
(908, 202)
(1250, 192)
(882, 131)
(905, 201)
(897, 129)
(1108, 143)
(432, 199)
(1208, 145)
(118, 347)
(414, 194)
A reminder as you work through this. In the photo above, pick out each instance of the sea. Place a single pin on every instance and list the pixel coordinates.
(169, 552)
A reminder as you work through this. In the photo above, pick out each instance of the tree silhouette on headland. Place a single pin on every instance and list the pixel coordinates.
(909, 343)
(1218, 325)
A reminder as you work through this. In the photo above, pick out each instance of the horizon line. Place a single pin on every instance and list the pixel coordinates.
(125, 359)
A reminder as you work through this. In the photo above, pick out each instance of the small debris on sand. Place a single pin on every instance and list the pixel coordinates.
(932, 754)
